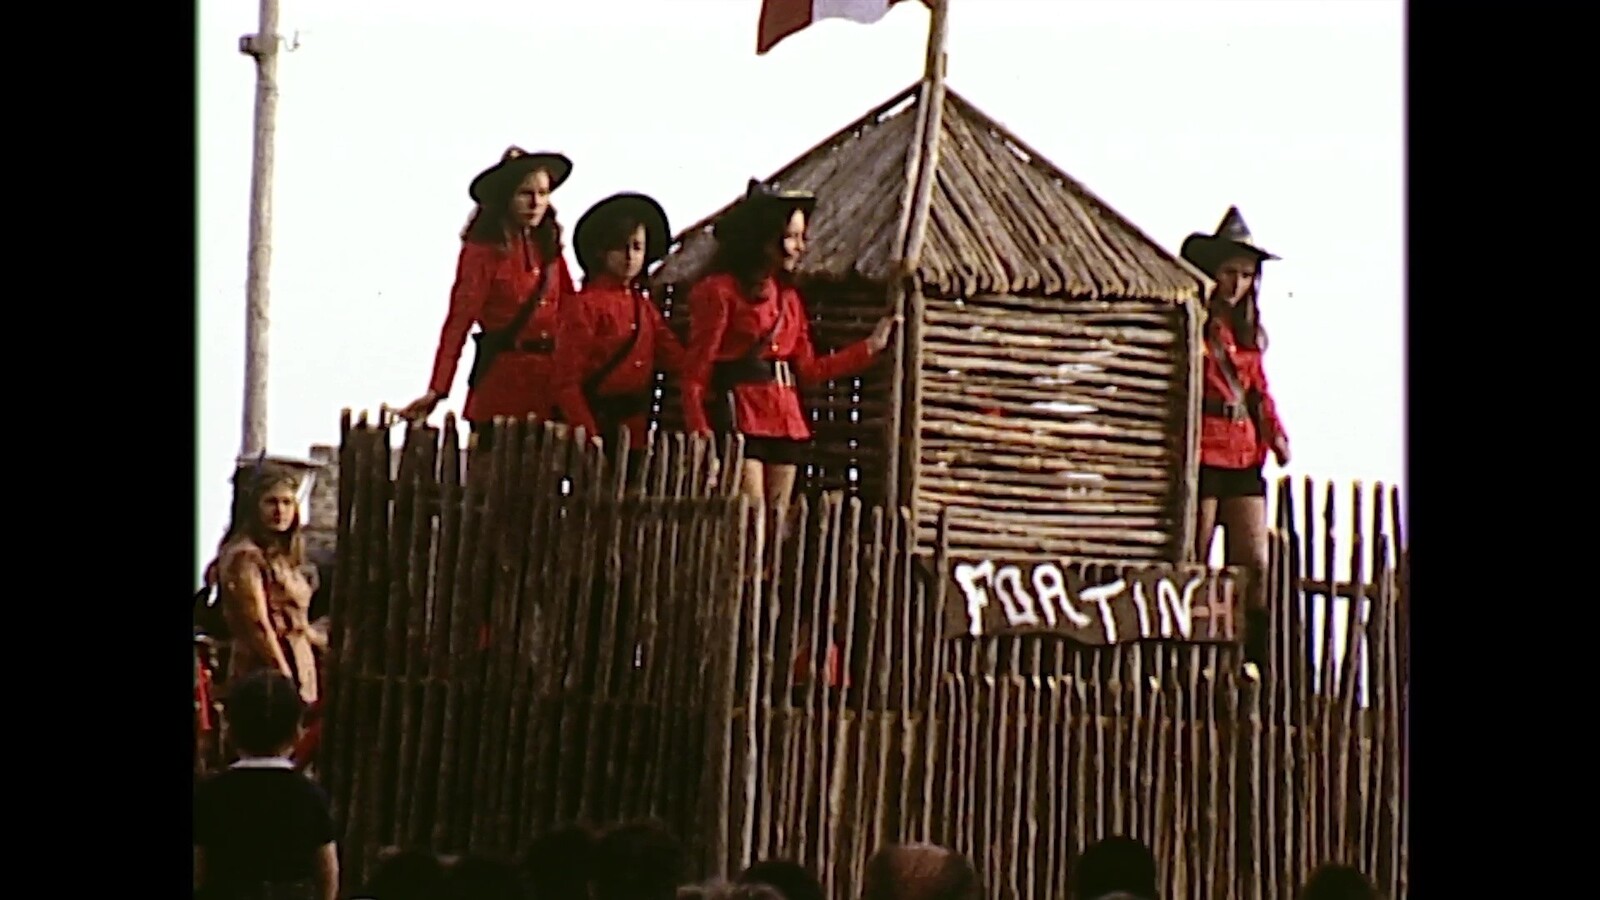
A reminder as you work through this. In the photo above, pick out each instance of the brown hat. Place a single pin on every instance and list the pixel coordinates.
(1232, 238)
(761, 198)
(514, 165)
(640, 208)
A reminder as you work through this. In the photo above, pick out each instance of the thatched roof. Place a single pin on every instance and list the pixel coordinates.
(1003, 218)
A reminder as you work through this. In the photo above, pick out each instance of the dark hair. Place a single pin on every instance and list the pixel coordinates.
(263, 711)
(1243, 317)
(1332, 881)
(557, 863)
(919, 872)
(742, 251)
(482, 878)
(407, 875)
(637, 861)
(793, 881)
(487, 225)
(612, 233)
(1115, 864)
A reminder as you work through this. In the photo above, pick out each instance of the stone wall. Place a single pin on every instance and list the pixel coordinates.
(321, 522)
(322, 516)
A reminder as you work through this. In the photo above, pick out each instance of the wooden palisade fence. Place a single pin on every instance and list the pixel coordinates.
(539, 642)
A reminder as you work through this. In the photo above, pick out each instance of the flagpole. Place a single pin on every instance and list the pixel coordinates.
(922, 164)
(932, 123)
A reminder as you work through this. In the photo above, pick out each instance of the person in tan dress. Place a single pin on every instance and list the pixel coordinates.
(265, 594)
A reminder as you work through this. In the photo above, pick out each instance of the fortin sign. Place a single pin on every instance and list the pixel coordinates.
(1094, 604)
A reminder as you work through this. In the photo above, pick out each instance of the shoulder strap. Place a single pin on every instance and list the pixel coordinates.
(525, 311)
(593, 382)
(1225, 364)
(753, 354)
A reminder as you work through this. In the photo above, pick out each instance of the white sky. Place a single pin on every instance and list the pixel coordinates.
(1169, 110)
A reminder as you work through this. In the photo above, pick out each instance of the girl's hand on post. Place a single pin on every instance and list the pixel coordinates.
(419, 408)
(317, 632)
(878, 340)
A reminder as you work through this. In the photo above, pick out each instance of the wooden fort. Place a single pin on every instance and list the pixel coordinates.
(1047, 386)
(993, 530)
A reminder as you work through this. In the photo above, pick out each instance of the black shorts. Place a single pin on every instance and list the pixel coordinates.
(777, 451)
(1221, 484)
(482, 436)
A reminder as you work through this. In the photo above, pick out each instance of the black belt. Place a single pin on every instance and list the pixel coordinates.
(617, 407)
(742, 371)
(1236, 412)
(536, 345)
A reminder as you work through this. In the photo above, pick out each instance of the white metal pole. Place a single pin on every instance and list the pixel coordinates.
(263, 46)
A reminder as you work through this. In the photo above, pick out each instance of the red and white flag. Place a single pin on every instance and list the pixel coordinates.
(781, 18)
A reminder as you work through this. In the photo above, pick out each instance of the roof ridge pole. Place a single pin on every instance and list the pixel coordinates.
(905, 295)
(822, 144)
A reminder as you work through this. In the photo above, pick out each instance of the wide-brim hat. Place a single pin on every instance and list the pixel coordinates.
(251, 469)
(514, 165)
(763, 198)
(1232, 238)
(641, 208)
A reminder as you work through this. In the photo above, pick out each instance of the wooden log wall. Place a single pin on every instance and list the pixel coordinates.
(851, 417)
(674, 305)
(1241, 787)
(1061, 424)
(512, 654)
(532, 646)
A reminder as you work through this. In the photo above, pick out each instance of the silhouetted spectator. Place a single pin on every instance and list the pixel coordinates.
(1115, 868)
(792, 880)
(558, 864)
(405, 875)
(1332, 881)
(919, 872)
(260, 822)
(481, 878)
(637, 861)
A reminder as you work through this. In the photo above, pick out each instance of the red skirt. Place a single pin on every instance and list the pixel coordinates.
(202, 695)
(833, 666)
(305, 749)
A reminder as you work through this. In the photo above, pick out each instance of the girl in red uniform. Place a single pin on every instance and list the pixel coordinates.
(749, 350)
(750, 342)
(611, 339)
(1239, 422)
(510, 281)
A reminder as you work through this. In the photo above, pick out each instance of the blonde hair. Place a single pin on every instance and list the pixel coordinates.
(246, 524)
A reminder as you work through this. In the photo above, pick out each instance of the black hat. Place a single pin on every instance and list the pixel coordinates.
(638, 207)
(760, 198)
(514, 165)
(1232, 238)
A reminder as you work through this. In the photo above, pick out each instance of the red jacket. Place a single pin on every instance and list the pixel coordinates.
(1228, 443)
(594, 327)
(723, 324)
(491, 284)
